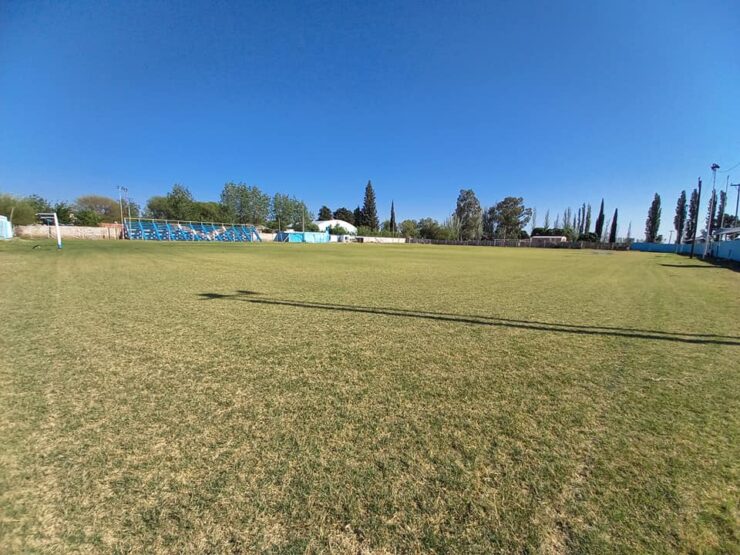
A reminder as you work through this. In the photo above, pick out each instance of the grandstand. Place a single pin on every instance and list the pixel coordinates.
(167, 230)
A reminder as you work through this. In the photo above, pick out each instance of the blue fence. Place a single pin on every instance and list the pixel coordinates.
(725, 250)
(166, 230)
(303, 237)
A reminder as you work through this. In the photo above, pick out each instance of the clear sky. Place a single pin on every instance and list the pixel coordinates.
(559, 102)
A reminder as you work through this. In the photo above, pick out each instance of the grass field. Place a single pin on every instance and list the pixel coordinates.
(366, 399)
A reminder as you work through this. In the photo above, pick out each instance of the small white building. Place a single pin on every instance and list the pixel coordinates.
(547, 239)
(326, 224)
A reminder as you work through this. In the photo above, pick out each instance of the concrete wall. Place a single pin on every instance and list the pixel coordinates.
(38, 231)
(725, 250)
(385, 240)
(665, 247)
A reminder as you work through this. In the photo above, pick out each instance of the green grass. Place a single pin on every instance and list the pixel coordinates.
(366, 399)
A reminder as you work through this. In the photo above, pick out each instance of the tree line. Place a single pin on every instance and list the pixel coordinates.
(238, 203)
(687, 215)
(248, 204)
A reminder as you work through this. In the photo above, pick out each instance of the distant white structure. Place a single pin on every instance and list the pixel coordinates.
(547, 239)
(6, 230)
(325, 224)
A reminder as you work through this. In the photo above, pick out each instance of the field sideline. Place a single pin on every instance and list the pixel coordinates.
(366, 399)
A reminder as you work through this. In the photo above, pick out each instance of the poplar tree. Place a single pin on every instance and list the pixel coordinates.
(721, 209)
(613, 232)
(393, 218)
(679, 220)
(711, 213)
(693, 217)
(652, 223)
(599, 229)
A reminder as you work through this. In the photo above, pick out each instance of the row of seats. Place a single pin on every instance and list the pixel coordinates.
(162, 230)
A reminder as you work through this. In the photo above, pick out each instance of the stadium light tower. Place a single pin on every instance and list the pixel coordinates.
(714, 168)
(121, 190)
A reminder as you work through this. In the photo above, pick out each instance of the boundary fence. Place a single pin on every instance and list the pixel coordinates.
(525, 243)
(722, 250)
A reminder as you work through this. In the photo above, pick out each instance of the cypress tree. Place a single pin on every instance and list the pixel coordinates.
(324, 213)
(587, 225)
(718, 223)
(393, 218)
(613, 232)
(359, 219)
(599, 229)
(652, 223)
(679, 220)
(693, 216)
(369, 209)
(711, 213)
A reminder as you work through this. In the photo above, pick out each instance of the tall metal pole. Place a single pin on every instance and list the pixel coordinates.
(712, 199)
(696, 221)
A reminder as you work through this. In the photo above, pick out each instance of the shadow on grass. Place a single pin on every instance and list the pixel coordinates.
(535, 325)
(703, 266)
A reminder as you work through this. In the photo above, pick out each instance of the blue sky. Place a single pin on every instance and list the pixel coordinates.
(558, 102)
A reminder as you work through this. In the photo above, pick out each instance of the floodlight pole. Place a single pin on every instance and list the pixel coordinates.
(714, 168)
(696, 222)
(121, 190)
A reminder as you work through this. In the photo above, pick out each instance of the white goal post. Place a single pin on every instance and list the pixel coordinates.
(53, 217)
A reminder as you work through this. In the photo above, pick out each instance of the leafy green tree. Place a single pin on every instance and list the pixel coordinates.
(105, 208)
(469, 216)
(19, 210)
(181, 204)
(489, 222)
(409, 228)
(87, 218)
(337, 230)
(344, 214)
(679, 220)
(325, 213)
(652, 223)
(158, 207)
(510, 217)
(693, 219)
(613, 232)
(64, 212)
(369, 208)
(392, 221)
(599, 225)
(39, 204)
(429, 228)
(244, 204)
(357, 217)
(289, 212)
(209, 211)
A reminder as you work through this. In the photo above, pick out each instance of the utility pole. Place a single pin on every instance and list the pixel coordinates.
(714, 168)
(696, 222)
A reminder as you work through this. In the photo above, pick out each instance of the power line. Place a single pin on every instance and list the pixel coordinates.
(730, 169)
